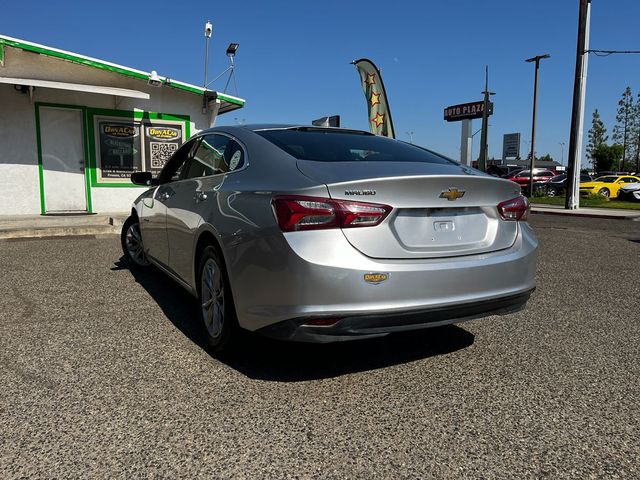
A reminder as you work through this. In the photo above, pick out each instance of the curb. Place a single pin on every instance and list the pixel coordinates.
(570, 213)
(112, 227)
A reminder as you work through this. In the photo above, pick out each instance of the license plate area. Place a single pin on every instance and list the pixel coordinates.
(442, 228)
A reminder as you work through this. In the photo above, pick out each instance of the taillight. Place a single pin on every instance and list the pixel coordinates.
(514, 209)
(295, 213)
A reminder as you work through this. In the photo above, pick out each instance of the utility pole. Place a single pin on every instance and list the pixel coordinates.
(574, 156)
(484, 147)
(562, 144)
(532, 164)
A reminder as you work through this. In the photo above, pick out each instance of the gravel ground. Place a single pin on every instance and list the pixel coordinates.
(103, 374)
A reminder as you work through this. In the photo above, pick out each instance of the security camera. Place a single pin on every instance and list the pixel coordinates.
(154, 79)
(208, 29)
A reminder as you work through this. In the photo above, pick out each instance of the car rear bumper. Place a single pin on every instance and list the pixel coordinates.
(319, 274)
(379, 324)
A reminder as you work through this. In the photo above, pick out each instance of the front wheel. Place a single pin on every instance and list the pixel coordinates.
(216, 303)
(131, 241)
(604, 192)
(551, 192)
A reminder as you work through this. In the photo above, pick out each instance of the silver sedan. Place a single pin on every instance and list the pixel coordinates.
(323, 234)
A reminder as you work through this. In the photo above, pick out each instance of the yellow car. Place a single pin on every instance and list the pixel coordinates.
(607, 186)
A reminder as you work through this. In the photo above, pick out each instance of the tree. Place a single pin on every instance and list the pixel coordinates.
(597, 134)
(545, 158)
(625, 119)
(605, 156)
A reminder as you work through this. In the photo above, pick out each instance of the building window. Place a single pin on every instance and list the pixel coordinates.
(127, 145)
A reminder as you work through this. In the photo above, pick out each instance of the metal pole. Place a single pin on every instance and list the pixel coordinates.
(208, 30)
(572, 201)
(482, 159)
(532, 163)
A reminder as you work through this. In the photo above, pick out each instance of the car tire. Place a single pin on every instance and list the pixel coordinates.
(217, 309)
(131, 242)
(551, 192)
(604, 192)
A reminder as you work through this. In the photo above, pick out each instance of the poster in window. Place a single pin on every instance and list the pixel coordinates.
(160, 142)
(120, 153)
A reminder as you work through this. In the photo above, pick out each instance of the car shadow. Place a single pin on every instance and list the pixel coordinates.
(263, 358)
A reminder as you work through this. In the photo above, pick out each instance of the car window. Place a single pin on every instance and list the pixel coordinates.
(173, 169)
(606, 179)
(328, 145)
(629, 180)
(215, 154)
(546, 174)
(559, 178)
(585, 178)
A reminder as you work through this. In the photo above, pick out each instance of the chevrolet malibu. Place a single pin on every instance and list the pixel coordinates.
(324, 234)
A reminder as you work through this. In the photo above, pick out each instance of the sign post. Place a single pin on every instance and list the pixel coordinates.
(465, 142)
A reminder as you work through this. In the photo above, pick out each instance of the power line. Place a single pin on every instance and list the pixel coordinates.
(606, 53)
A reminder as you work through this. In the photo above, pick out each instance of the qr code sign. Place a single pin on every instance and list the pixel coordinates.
(161, 152)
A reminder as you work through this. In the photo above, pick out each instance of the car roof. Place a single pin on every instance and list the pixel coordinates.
(257, 127)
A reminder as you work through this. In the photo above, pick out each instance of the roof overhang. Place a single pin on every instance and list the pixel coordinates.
(228, 102)
(76, 87)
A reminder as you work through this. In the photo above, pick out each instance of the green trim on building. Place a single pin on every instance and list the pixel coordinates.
(1, 54)
(110, 67)
(40, 171)
(83, 111)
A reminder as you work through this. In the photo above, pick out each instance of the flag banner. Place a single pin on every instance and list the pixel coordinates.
(379, 113)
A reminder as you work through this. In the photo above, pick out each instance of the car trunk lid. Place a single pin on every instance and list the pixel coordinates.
(438, 210)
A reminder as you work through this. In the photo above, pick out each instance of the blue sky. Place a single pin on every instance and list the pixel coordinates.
(293, 61)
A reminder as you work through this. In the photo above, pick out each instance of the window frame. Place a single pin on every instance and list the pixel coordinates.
(200, 136)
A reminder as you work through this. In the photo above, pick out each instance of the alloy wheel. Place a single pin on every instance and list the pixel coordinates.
(133, 242)
(212, 288)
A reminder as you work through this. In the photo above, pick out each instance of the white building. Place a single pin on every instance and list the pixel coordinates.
(73, 128)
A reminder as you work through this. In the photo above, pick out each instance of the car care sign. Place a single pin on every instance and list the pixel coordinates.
(120, 153)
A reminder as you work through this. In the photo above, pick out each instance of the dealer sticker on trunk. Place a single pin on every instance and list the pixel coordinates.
(376, 278)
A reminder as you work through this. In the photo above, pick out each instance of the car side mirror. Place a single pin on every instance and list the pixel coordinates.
(143, 178)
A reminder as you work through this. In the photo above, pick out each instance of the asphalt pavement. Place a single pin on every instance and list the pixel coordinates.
(103, 374)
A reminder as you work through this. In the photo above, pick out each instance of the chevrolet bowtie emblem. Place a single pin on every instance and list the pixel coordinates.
(452, 194)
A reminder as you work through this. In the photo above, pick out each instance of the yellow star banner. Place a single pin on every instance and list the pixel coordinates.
(379, 113)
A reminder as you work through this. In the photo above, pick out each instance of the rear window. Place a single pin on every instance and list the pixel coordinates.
(340, 146)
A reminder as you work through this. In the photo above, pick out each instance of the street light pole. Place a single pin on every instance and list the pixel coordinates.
(562, 144)
(535, 59)
(410, 134)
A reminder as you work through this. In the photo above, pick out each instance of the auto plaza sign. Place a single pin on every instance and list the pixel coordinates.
(466, 111)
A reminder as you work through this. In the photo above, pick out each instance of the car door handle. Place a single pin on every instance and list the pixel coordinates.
(200, 196)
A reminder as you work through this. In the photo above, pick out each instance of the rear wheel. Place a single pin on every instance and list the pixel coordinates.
(216, 303)
(551, 192)
(131, 241)
(604, 192)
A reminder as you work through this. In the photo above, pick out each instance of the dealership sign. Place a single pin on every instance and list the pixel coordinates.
(511, 145)
(466, 111)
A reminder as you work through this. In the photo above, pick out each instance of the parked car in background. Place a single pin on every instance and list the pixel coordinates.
(326, 234)
(607, 186)
(504, 171)
(557, 185)
(629, 191)
(539, 175)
